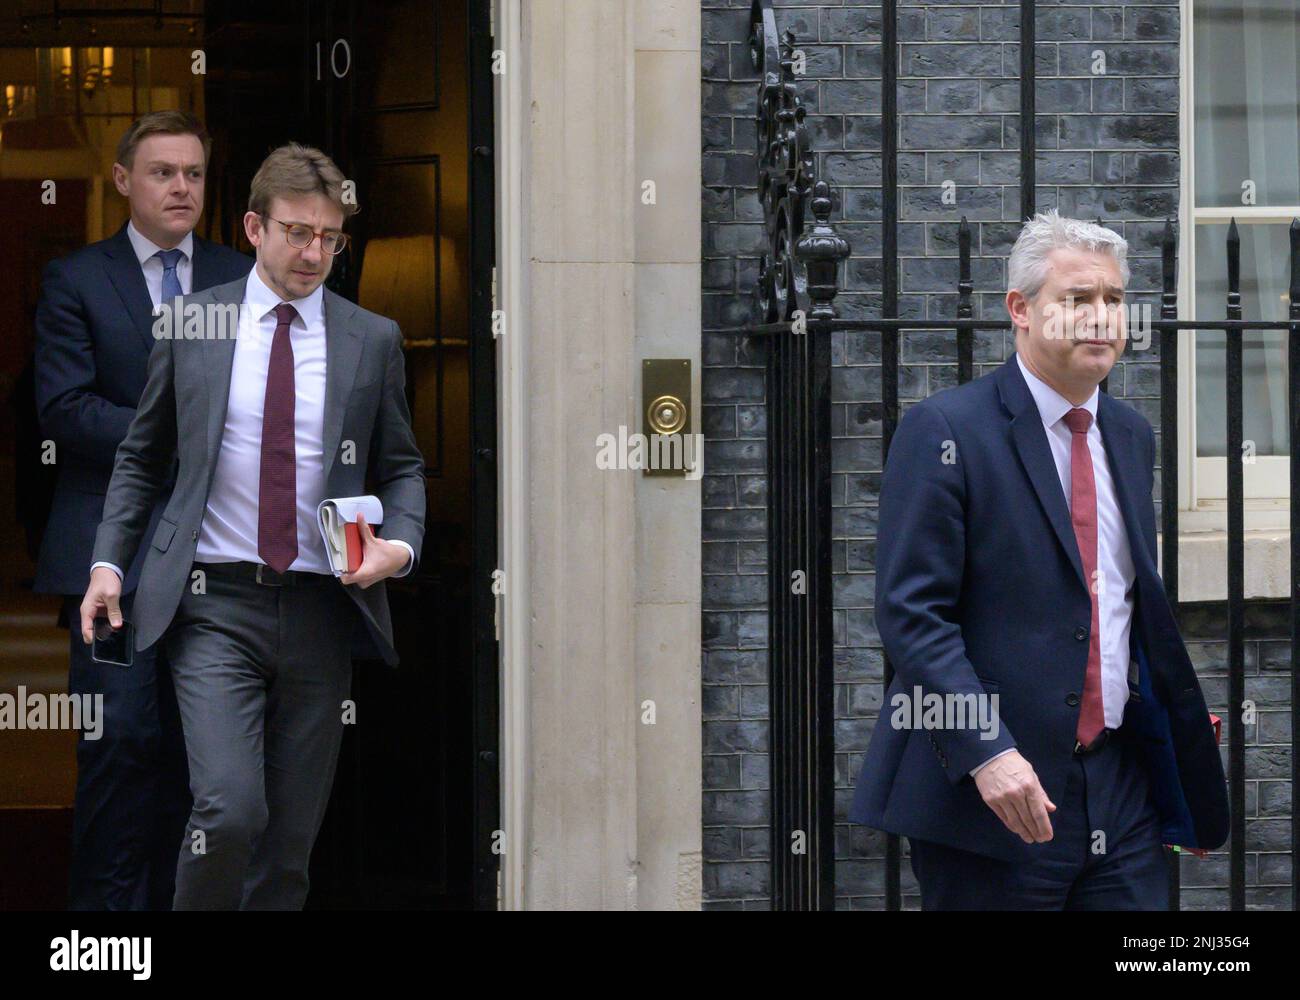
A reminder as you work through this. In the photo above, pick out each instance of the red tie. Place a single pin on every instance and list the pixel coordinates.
(277, 501)
(1083, 514)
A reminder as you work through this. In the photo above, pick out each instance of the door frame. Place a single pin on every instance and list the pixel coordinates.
(510, 118)
(484, 523)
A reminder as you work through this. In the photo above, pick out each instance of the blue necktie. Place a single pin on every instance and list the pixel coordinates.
(171, 284)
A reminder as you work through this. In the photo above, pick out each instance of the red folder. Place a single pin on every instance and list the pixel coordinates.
(352, 532)
(341, 531)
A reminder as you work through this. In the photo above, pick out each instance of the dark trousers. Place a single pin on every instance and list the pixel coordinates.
(261, 674)
(132, 793)
(1105, 852)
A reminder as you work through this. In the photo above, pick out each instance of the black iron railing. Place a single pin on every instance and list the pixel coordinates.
(799, 484)
(797, 285)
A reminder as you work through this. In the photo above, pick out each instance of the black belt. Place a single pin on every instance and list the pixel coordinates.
(263, 574)
(1095, 745)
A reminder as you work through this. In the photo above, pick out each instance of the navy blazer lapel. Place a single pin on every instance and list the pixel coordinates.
(128, 279)
(201, 266)
(1036, 455)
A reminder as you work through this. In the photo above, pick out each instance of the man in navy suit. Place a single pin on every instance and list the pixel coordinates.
(93, 339)
(1044, 734)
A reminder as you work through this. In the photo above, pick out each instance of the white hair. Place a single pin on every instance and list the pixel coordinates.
(1048, 231)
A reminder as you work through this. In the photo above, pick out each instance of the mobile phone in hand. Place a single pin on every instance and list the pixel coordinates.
(113, 645)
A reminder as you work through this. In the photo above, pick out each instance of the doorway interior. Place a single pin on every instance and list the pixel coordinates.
(399, 93)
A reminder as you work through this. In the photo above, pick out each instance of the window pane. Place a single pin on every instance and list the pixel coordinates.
(1265, 252)
(1247, 120)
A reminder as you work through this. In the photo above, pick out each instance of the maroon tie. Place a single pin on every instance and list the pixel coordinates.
(1083, 514)
(277, 502)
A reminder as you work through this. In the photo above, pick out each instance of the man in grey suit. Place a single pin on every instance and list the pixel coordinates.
(306, 402)
(91, 361)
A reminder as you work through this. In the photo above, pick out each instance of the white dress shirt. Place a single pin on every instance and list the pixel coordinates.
(1114, 557)
(145, 251)
(230, 518)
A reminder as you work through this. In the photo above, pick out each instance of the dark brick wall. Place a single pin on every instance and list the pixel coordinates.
(1107, 149)
(1268, 751)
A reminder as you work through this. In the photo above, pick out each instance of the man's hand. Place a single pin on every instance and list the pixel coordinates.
(1011, 789)
(379, 559)
(102, 597)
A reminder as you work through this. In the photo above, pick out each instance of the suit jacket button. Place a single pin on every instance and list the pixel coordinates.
(194, 533)
(1072, 699)
(1081, 633)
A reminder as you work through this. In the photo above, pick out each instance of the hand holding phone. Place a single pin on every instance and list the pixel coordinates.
(103, 598)
(113, 645)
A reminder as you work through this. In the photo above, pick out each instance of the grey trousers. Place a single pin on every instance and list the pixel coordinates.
(261, 673)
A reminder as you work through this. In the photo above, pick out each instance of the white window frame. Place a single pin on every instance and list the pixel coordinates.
(1202, 485)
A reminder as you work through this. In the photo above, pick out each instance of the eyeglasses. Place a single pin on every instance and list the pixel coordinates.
(299, 237)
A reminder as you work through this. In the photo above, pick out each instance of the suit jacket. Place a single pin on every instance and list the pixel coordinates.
(182, 413)
(93, 343)
(980, 589)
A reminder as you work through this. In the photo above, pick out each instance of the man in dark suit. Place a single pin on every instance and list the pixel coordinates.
(92, 349)
(1045, 733)
(307, 402)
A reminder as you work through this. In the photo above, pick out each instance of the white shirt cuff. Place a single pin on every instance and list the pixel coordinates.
(993, 758)
(410, 556)
(115, 569)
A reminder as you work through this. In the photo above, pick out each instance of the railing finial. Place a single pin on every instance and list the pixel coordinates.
(822, 249)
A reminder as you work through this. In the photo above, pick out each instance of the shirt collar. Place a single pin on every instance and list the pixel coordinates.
(1052, 406)
(145, 248)
(261, 300)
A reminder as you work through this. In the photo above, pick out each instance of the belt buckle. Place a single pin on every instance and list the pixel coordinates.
(278, 582)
